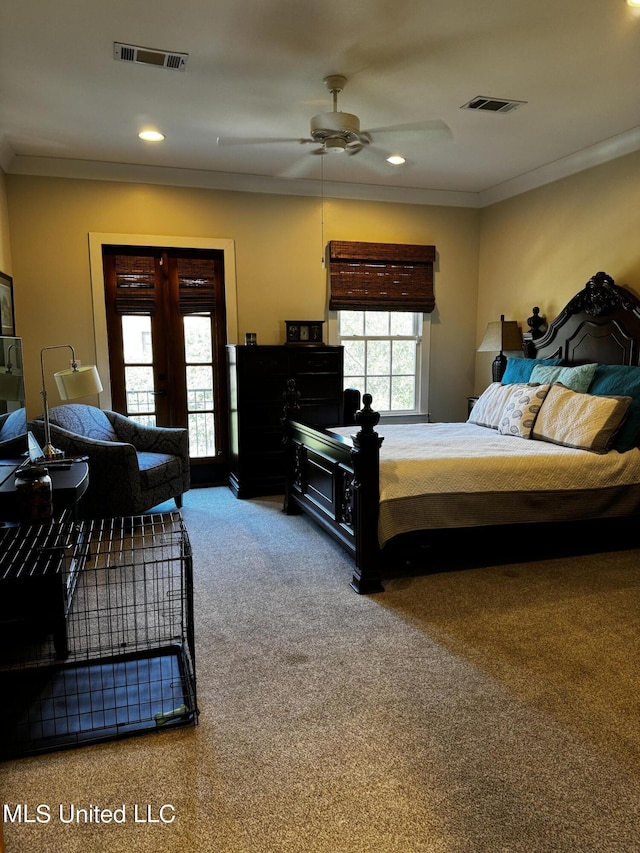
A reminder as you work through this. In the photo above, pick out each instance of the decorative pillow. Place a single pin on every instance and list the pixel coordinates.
(577, 378)
(519, 369)
(489, 407)
(580, 420)
(521, 410)
(621, 379)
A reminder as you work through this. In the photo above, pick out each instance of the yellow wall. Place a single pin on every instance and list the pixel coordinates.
(540, 248)
(278, 246)
(5, 247)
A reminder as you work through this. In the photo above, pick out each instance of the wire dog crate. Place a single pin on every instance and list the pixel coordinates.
(96, 631)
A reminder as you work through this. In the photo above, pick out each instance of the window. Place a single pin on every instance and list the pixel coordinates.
(380, 299)
(383, 356)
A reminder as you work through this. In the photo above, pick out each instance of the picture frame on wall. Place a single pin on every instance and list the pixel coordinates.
(7, 315)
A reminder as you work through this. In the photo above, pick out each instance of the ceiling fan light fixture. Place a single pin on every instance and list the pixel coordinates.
(335, 145)
(327, 124)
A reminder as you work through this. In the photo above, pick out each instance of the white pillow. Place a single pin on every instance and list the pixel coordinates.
(489, 407)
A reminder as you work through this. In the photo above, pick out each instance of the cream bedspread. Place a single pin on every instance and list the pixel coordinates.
(461, 474)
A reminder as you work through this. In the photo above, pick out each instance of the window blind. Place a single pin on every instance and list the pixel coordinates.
(381, 276)
(135, 283)
(136, 287)
(196, 284)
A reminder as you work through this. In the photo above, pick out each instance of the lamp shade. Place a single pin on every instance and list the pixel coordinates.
(80, 382)
(501, 335)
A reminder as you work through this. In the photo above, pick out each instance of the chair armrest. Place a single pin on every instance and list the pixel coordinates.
(113, 465)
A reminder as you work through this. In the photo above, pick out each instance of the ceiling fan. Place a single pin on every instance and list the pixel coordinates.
(337, 132)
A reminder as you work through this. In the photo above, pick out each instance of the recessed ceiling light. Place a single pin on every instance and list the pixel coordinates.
(151, 135)
(396, 160)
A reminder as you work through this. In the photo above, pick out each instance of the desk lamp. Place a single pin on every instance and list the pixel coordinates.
(72, 383)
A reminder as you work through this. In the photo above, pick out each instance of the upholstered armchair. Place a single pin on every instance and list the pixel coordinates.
(132, 468)
(13, 434)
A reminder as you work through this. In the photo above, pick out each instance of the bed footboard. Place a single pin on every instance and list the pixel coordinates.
(335, 480)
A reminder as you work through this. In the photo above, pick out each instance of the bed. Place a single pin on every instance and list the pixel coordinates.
(556, 440)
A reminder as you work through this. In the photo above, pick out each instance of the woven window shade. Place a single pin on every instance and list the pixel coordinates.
(196, 284)
(135, 283)
(137, 291)
(381, 276)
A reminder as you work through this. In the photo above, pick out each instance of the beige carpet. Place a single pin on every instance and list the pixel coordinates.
(481, 708)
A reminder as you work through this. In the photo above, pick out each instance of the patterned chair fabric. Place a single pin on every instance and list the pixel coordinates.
(13, 434)
(132, 468)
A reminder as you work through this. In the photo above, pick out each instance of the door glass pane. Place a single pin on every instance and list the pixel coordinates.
(139, 389)
(144, 420)
(199, 387)
(202, 439)
(136, 339)
(197, 338)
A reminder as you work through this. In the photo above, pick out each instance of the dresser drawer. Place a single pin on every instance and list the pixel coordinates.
(308, 360)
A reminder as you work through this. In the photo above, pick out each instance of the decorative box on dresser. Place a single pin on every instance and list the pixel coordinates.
(258, 378)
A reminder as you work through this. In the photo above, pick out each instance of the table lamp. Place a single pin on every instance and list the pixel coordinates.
(500, 335)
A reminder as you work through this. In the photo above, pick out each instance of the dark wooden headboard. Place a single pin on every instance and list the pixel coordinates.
(601, 323)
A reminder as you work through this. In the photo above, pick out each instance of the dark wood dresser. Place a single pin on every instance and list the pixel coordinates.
(258, 378)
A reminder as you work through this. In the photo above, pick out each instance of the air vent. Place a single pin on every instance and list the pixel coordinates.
(492, 105)
(149, 56)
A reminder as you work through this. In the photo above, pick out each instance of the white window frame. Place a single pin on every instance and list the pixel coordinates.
(423, 349)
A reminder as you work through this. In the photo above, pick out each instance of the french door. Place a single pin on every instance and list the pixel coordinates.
(167, 332)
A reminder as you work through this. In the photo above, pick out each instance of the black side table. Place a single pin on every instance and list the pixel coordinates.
(69, 485)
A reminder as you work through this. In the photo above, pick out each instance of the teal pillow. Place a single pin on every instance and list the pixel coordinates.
(576, 378)
(519, 369)
(612, 380)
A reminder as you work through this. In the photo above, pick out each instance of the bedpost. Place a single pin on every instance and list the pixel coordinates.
(290, 411)
(366, 491)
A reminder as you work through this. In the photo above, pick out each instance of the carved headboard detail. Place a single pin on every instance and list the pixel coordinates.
(601, 323)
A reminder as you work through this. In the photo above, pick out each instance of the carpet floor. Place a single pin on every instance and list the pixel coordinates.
(490, 705)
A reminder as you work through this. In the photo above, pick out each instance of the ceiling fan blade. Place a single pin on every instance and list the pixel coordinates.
(434, 129)
(256, 140)
(298, 168)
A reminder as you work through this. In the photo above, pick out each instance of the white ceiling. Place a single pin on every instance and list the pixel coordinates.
(256, 68)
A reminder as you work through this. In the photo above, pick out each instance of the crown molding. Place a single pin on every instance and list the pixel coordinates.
(594, 155)
(53, 167)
